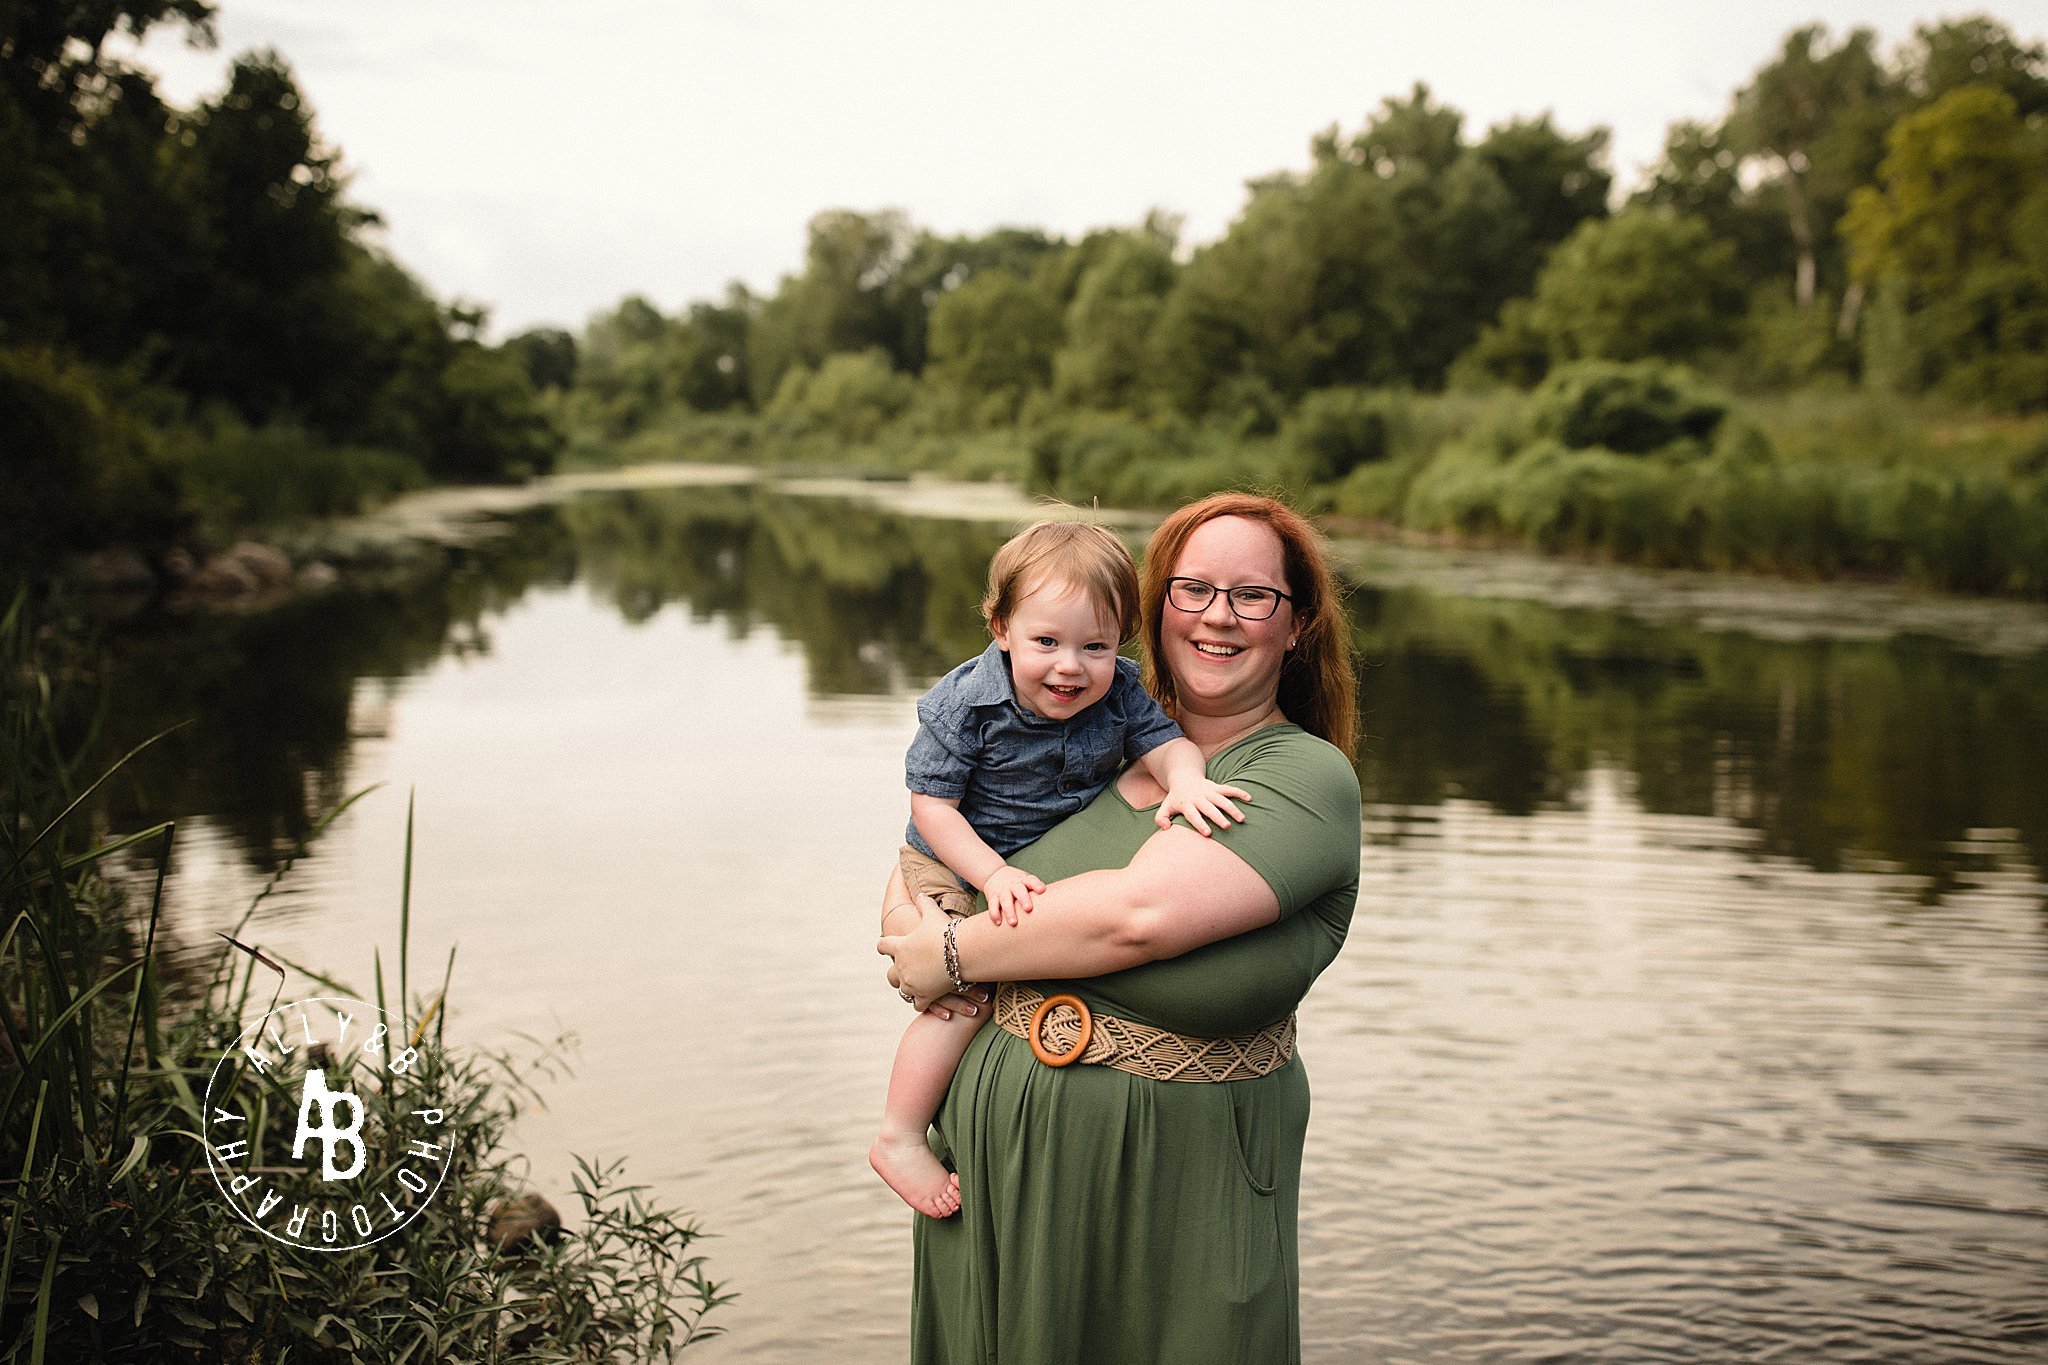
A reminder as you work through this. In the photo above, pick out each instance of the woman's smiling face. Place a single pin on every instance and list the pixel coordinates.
(1221, 665)
(1062, 650)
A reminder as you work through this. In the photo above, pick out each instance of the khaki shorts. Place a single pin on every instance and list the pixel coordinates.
(924, 876)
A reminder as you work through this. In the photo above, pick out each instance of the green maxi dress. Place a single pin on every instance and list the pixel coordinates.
(1111, 1218)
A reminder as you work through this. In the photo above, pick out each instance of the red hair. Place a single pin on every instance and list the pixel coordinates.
(1318, 688)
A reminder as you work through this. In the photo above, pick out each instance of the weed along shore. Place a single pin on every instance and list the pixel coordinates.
(222, 1156)
(421, 525)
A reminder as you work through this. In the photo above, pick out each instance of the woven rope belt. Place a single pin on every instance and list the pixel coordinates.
(1062, 1031)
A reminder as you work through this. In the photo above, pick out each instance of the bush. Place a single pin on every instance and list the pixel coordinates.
(82, 466)
(1459, 490)
(1644, 283)
(243, 477)
(1632, 408)
(847, 400)
(1557, 498)
(118, 1246)
(1124, 463)
(1512, 350)
(1334, 431)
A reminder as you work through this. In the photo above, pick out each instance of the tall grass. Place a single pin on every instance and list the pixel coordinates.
(117, 1244)
(1642, 463)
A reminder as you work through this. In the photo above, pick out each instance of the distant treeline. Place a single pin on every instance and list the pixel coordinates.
(1814, 340)
(197, 329)
(1851, 267)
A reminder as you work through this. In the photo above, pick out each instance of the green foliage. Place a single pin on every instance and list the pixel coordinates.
(1334, 431)
(1511, 350)
(1092, 458)
(1813, 119)
(1977, 51)
(1783, 347)
(547, 355)
(84, 460)
(117, 1244)
(1379, 265)
(1104, 361)
(847, 400)
(1955, 235)
(1700, 176)
(1306, 345)
(1641, 284)
(1556, 181)
(992, 344)
(1630, 408)
(165, 262)
(841, 301)
(243, 477)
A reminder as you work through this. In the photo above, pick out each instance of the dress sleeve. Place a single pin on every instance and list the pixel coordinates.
(1301, 828)
(1146, 725)
(946, 751)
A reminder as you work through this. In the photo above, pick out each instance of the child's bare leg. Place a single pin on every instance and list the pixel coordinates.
(925, 1061)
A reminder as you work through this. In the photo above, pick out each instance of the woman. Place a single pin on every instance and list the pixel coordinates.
(1108, 1215)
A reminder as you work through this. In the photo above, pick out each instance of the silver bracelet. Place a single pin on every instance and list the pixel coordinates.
(953, 958)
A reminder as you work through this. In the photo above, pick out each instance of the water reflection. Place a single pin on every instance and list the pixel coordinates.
(1837, 753)
(1648, 1044)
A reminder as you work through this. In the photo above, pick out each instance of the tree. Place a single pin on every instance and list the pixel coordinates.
(1699, 176)
(89, 225)
(1956, 229)
(934, 265)
(849, 398)
(1109, 324)
(1816, 117)
(259, 302)
(546, 354)
(1644, 283)
(841, 301)
(1977, 51)
(1377, 266)
(1556, 182)
(992, 343)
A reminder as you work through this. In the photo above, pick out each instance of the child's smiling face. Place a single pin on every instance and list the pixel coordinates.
(1062, 649)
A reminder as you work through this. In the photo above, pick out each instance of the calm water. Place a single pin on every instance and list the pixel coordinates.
(1694, 1008)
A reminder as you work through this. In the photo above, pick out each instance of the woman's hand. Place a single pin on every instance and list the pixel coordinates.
(919, 965)
(973, 1002)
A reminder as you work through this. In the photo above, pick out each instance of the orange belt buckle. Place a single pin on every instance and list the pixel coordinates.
(1073, 1054)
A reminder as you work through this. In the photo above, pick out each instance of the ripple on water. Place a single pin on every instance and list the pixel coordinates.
(1597, 1085)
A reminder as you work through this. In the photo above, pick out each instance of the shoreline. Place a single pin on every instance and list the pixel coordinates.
(1768, 606)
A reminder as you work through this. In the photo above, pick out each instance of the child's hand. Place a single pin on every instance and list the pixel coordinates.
(1010, 892)
(1200, 797)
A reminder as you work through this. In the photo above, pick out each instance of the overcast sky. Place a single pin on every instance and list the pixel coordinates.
(547, 157)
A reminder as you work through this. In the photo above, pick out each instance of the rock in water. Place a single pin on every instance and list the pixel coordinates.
(524, 1221)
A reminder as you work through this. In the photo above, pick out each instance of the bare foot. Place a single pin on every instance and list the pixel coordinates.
(914, 1173)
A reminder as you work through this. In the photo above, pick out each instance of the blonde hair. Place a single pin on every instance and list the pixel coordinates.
(1318, 689)
(1077, 553)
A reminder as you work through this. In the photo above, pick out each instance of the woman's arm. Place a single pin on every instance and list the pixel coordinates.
(1181, 891)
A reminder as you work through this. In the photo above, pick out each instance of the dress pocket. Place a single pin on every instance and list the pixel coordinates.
(1251, 1140)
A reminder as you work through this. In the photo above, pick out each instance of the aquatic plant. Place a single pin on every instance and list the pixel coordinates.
(117, 1246)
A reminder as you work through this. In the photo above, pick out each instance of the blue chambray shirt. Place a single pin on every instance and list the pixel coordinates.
(1016, 774)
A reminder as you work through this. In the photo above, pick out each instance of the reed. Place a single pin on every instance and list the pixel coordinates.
(117, 1245)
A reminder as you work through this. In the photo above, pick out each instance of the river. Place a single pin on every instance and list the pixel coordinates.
(1694, 1007)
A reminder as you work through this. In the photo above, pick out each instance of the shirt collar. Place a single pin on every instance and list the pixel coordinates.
(988, 680)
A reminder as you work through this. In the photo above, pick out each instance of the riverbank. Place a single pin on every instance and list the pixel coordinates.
(1628, 463)
(416, 530)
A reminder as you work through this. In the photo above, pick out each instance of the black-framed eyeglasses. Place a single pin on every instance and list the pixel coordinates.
(1250, 602)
